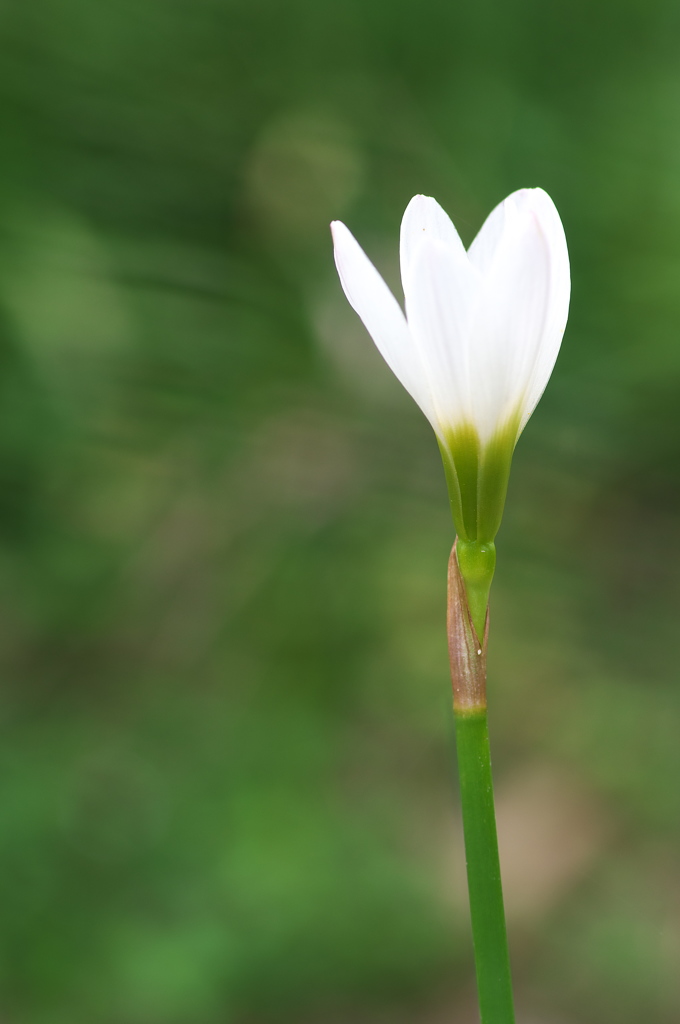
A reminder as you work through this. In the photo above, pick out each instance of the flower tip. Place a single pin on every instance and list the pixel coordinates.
(532, 198)
(420, 200)
(339, 233)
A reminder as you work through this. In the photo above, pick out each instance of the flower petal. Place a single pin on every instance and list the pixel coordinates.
(522, 312)
(482, 250)
(382, 316)
(559, 288)
(442, 291)
(424, 218)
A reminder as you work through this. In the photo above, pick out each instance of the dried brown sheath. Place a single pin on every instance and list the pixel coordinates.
(466, 653)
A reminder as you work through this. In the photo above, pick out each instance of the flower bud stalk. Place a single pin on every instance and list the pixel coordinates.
(468, 673)
(477, 562)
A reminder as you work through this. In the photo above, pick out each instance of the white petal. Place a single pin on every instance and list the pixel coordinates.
(522, 313)
(482, 250)
(550, 225)
(442, 292)
(382, 316)
(424, 218)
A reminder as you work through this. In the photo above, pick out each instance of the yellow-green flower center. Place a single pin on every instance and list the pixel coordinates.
(477, 478)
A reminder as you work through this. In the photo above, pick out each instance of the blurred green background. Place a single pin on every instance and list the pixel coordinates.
(226, 774)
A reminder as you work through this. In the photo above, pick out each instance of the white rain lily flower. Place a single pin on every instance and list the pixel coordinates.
(479, 339)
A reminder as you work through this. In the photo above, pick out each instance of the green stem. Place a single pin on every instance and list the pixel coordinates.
(477, 562)
(483, 868)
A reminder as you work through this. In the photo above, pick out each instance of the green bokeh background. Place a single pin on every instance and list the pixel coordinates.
(226, 778)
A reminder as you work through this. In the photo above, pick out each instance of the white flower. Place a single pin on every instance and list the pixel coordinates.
(480, 336)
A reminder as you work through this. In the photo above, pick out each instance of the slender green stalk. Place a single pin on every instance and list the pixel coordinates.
(483, 868)
(467, 653)
(477, 562)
